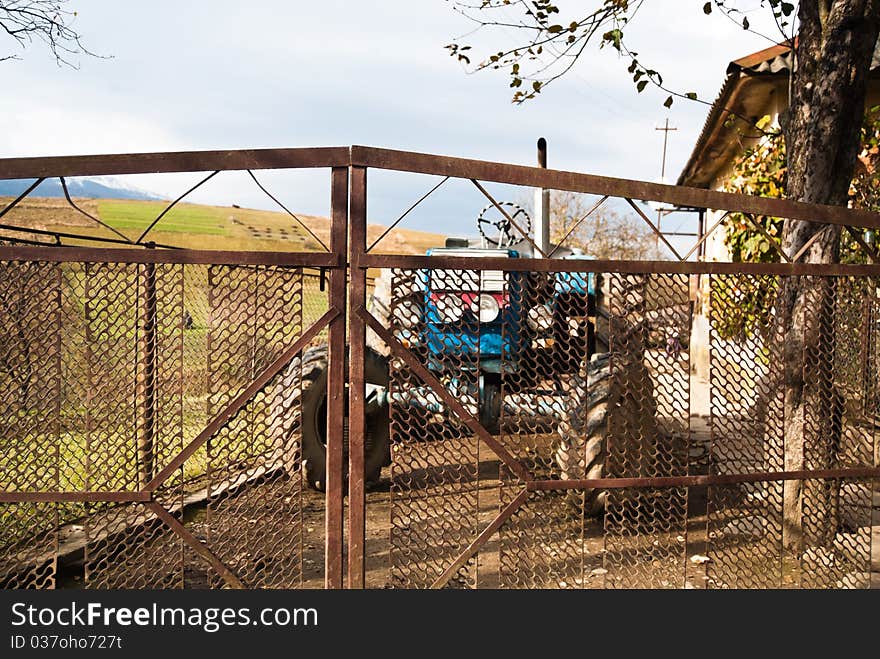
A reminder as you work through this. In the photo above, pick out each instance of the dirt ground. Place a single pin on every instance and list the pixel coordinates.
(682, 570)
(673, 540)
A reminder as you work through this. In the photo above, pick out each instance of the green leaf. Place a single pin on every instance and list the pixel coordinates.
(691, 95)
(641, 86)
(668, 102)
(707, 8)
(787, 8)
(613, 37)
(553, 29)
(745, 23)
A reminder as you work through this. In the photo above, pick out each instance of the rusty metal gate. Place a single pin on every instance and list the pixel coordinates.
(150, 439)
(147, 437)
(599, 473)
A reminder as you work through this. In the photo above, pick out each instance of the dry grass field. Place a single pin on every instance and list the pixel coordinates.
(195, 226)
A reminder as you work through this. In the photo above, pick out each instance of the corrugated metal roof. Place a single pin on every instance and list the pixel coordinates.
(773, 61)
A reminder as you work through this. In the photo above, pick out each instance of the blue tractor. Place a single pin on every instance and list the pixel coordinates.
(496, 337)
(507, 343)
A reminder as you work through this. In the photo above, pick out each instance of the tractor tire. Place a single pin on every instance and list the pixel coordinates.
(305, 381)
(581, 452)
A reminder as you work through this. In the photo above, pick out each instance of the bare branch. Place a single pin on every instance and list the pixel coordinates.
(43, 21)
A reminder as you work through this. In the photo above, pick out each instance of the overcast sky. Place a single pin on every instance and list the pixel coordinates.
(224, 75)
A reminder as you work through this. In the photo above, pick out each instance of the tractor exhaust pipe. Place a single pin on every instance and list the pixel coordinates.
(542, 206)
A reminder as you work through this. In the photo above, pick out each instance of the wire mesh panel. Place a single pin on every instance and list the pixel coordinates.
(840, 431)
(605, 392)
(647, 429)
(253, 515)
(548, 422)
(109, 370)
(30, 386)
(30, 391)
(748, 432)
(434, 488)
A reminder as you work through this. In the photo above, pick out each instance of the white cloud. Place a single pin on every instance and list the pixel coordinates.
(224, 74)
(58, 130)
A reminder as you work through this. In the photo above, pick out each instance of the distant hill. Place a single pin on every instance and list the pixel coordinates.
(90, 188)
(194, 226)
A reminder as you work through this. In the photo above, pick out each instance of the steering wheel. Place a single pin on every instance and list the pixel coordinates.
(497, 229)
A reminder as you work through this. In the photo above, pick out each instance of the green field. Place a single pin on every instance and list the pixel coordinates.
(185, 218)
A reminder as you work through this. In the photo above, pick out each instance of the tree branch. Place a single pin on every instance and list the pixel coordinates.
(44, 21)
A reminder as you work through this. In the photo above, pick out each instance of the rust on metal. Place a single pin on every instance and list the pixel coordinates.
(697, 481)
(405, 213)
(870, 251)
(112, 497)
(62, 234)
(706, 235)
(173, 161)
(356, 389)
(89, 215)
(610, 266)
(653, 228)
(334, 517)
(200, 548)
(288, 211)
(770, 239)
(204, 257)
(574, 226)
(807, 245)
(167, 208)
(481, 539)
(119, 362)
(12, 204)
(537, 177)
(525, 235)
(148, 396)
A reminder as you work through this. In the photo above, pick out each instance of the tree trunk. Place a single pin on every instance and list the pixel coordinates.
(822, 127)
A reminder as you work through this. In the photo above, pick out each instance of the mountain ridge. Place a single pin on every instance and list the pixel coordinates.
(86, 187)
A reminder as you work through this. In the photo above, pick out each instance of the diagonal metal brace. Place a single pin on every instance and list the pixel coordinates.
(235, 406)
(198, 547)
(454, 404)
(507, 216)
(481, 539)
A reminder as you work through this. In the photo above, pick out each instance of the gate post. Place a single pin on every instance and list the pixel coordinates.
(333, 570)
(147, 385)
(356, 390)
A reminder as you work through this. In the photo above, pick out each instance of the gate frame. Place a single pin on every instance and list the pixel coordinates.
(349, 256)
(360, 259)
(334, 158)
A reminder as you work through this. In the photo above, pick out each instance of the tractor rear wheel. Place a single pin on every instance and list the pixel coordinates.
(306, 382)
(581, 452)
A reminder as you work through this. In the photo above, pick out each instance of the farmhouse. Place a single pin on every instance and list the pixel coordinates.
(755, 86)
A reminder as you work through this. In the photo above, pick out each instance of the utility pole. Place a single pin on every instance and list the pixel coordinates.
(665, 130)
